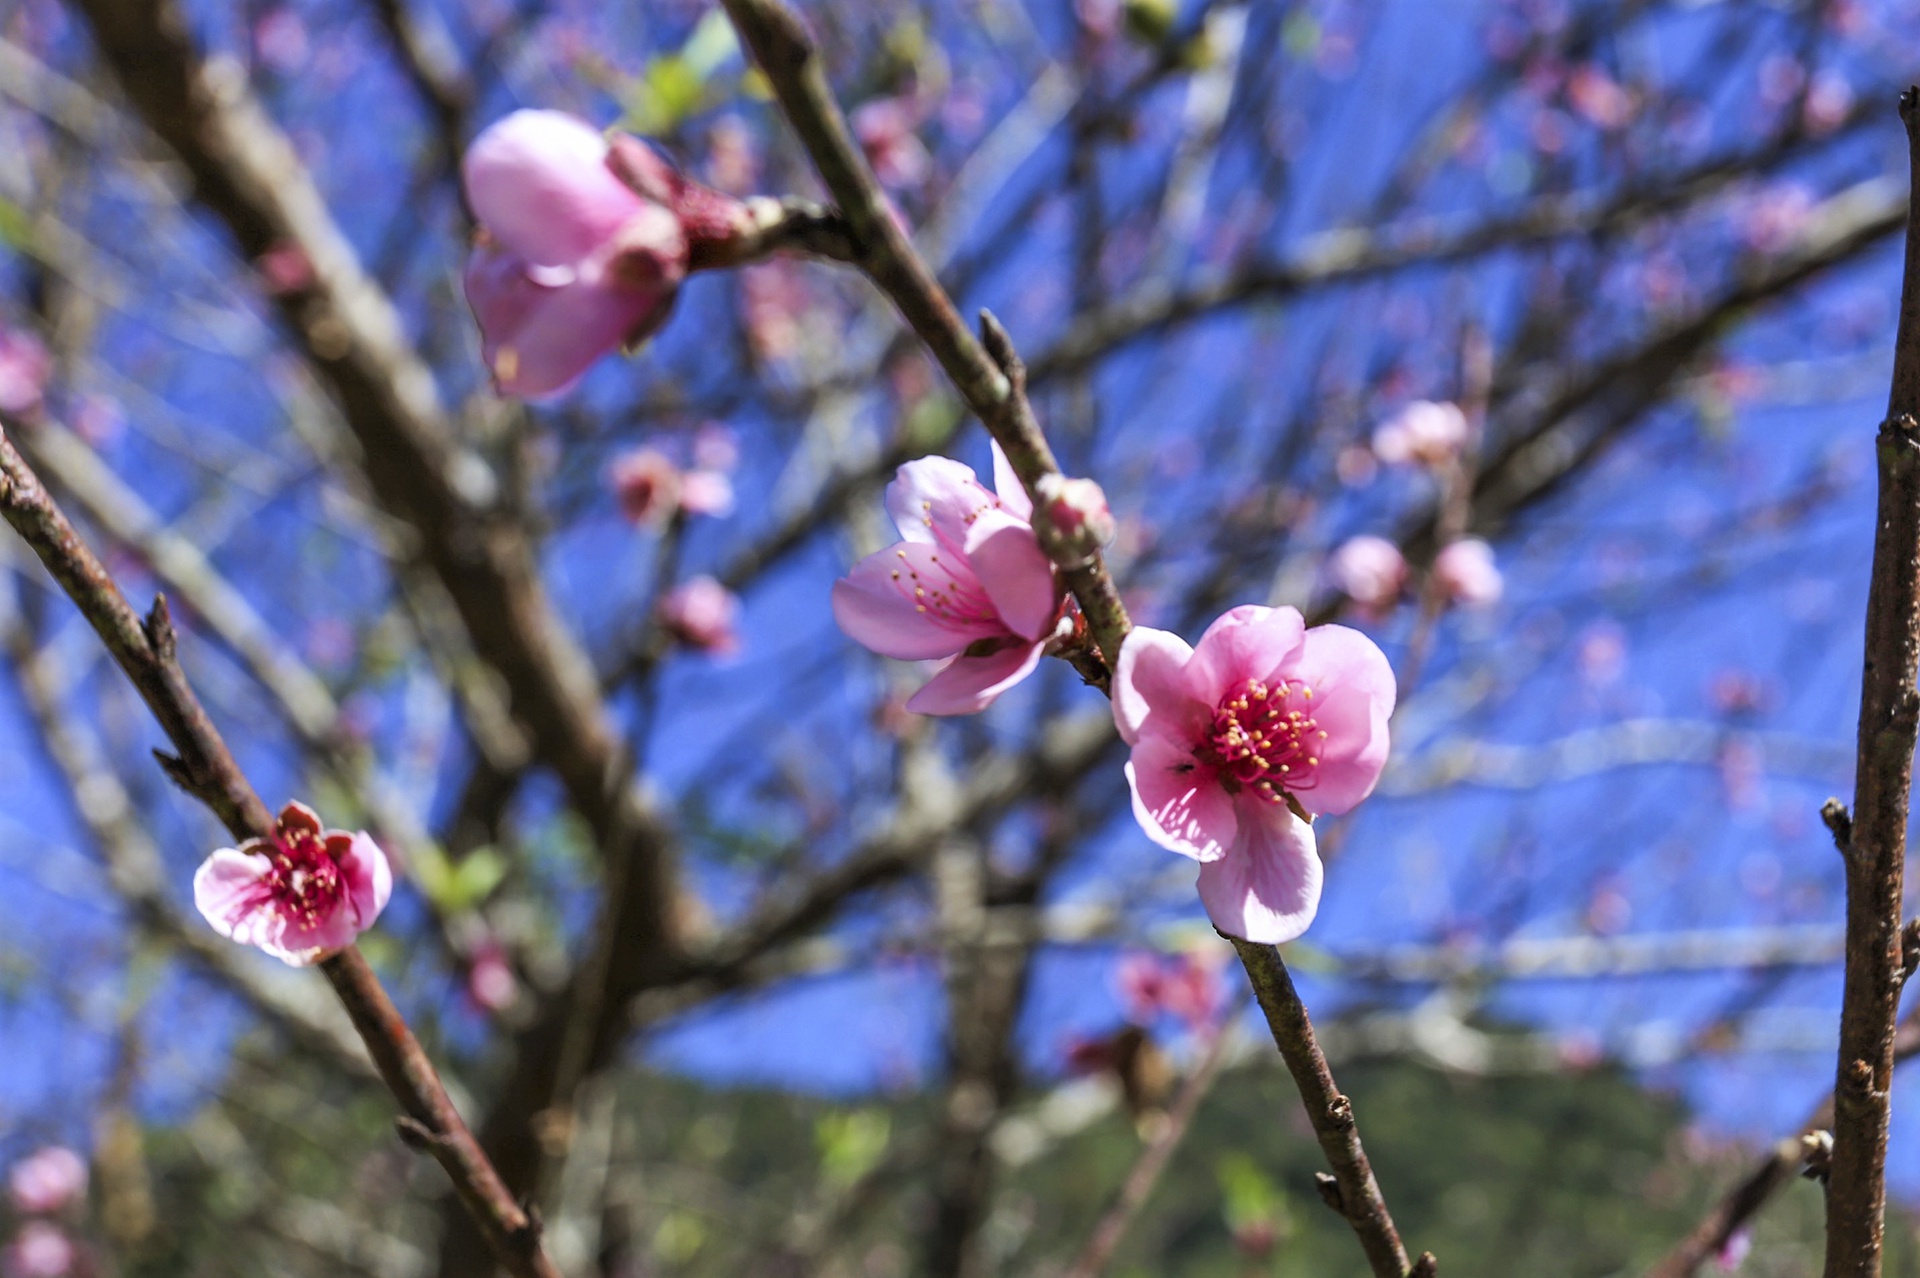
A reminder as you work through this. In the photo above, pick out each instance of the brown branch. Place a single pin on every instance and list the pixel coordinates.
(1358, 1195)
(1145, 1174)
(204, 767)
(984, 370)
(1768, 1176)
(1876, 852)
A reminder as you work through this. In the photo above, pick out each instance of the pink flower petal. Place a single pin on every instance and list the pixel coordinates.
(226, 890)
(1179, 802)
(368, 878)
(539, 181)
(1150, 688)
(1015, 572)
(1354, 693)
(539, 340)
(1249, 642)
(934, 499)
(877, 605)
(1007, 486)
(1267, 889)
(968, 685)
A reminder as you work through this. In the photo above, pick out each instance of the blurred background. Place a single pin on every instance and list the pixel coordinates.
(826, 988)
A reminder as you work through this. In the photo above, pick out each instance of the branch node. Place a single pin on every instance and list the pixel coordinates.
(160, 633)
(1816, 1151)
(1840, 822)
(1329, 1190)
(416, 1135)
(1857, 1079)
(1340, 1113)
(177, 771)
(1909, 950)
(1001, 350)
(1425, 1267)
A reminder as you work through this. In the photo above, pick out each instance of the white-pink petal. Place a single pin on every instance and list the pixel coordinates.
(539, 181)
(934, 499)
(1178, 802)
(1015, 573)
(968, 685)
(1150, 689)
(1267, 889)
(1248, 642)
(878, 605)
(1007, 486)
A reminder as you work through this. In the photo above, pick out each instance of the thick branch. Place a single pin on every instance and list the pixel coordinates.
(1876, 852)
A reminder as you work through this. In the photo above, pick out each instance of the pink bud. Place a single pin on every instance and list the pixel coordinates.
(47, 1180)
(1422, 431)
(1467, 573)
(647, 484)
(1733, 1252)
(1073, 521)
(285, 268)
(701, 613)
(39, 1250)
(1368, 570)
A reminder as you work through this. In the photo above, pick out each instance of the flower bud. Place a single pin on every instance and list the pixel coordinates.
(1073, 521)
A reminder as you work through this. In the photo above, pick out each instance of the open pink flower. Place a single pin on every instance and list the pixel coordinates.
(581, 249)
(301, 895)
(47, 1180)
(1224, 734)
(969, 583)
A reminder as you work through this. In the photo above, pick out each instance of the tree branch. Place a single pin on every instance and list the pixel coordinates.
(1876, 853)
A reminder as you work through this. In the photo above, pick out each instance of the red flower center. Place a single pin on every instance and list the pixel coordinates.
(1266, 738)
(305, 879)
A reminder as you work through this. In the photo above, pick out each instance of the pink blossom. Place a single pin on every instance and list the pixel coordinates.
(39, 1250)
(285, 268)
(648, 485)
(1227, 735)
(582, 247)
(1733, 1252)
(1599, 97)
(490, 979)
(1467, 573)
(301, 895)
(968, 584)
(1181, 985)
(1422, 431)
(24, 369)
(1829, 99)
(701, 613)
(716, 447)
(47, 1180)
(1368, 570)
(706, 492)
(885, 128)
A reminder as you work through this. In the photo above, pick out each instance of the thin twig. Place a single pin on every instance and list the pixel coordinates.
(985, 369)
(1875, 854)
(1145, 1174)
(206, 769)
(1354, 1193)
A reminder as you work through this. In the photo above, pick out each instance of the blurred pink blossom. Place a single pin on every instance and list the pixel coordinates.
(1829, 100)
(1599, 97)
(1733, 1252)
(967, 583)
(582, 245)
(284, 268)
(716, 447)
(1368, 570)
(24, 369)
(702, 614)
(280, 40)
(706, 492)
(301, 895)
(647, 484)
(885, 129)
(1180, 985)
(39, 1250)
(1466, 572)
(47, 1180)
(774, 298)
(490, 980)
(1422, 431)
(1261, 712)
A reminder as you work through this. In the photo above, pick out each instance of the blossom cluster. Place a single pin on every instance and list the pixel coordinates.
(45, 1187)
